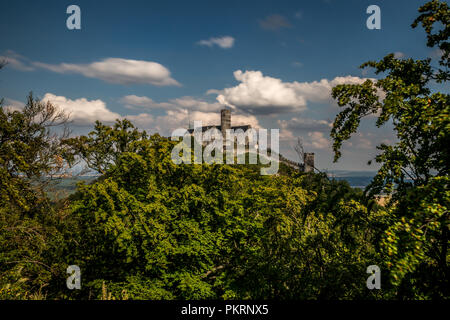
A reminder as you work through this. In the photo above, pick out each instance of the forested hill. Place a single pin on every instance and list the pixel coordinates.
(151, 229)
(148, 228)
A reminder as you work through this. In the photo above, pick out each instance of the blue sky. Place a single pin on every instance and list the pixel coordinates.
(154, 61)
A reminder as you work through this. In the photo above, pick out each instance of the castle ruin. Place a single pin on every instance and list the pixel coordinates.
(225, 124)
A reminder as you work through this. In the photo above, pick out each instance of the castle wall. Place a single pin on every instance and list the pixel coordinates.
(309, 162)
(225, 120)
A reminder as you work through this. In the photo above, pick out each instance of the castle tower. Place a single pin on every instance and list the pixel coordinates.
(225, 120)
(309, 162)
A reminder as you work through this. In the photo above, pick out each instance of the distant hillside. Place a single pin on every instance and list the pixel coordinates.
(64, 186)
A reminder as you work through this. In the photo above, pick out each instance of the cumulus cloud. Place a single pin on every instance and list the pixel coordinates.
(436, 53)
(312, 140)
(222, 42)
(117, 70)
(83, 111)
(183, 103)
(317, 140)
(275, 22)
(259, 94)
(301, 127)
(180, 116)
(398, 55)
(144, 121)
(191, 103)
(213, 91)
(316, 91)
(139, 102)
(363, 140)
(13, 105)
(305, 124)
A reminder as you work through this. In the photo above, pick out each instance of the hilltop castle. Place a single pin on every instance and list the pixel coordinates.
(225, 123)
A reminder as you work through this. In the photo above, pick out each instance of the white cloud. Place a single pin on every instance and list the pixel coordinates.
(259, 94)
(143, 121)
(362, 140)
(301, 127)
(114, 70)
(213, 91)
(312, 140)
(191, 103)
(117, 70)
(13, 105)
(135, 102)
(305, 124)
(223, 42)
(398, 55)
(436, 53)
(83, 111)
(183, 103)
(317, 140)
(321, 90)
(16, 61)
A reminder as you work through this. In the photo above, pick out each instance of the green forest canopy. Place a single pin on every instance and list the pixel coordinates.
(150, 229)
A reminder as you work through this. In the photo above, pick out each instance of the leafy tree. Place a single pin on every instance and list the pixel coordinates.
(102, 147)
(415, 169)
(150, 229)
(160, 230)
(28, 149)
(31, 241)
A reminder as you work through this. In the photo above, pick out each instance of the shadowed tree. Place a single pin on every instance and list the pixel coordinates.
(414, 170)
(30, 225)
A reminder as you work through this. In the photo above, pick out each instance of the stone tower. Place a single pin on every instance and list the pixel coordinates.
(309, 162)
(225, 120)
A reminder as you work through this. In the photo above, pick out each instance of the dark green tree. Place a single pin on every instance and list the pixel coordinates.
(152, 229)
(103, 146)
(31, 241)
(414, 170)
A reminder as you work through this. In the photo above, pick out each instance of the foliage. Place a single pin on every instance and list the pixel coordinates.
(113, 140)
(160, 230)
(150, 229)
(415, 169)
(31, 241)
(28, 148)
